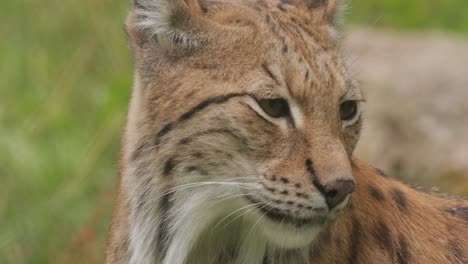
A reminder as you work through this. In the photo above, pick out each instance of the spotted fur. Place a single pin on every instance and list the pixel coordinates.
(208, 176)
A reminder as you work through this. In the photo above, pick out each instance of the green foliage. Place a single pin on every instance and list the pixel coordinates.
(65, 81)
(411, 14)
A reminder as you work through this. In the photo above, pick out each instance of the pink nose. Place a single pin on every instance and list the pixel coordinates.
(336, 191)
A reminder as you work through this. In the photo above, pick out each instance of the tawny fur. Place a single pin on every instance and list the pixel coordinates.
(199, 152)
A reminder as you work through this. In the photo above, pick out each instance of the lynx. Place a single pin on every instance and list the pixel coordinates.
(239, 146)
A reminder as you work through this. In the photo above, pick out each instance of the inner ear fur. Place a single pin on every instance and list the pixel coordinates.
(169, 22)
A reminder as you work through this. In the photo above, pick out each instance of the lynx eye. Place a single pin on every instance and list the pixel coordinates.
(275, 108)
(348, 110)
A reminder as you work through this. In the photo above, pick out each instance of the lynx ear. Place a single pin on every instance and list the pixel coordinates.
(328, 11)
(170, 22)
(333, 12)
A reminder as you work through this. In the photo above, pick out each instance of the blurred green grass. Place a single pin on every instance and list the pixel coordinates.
(65, 81)
(448, 15)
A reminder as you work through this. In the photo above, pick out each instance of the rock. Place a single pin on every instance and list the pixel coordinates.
(417, 110)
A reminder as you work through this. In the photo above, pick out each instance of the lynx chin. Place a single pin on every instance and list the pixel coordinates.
(239, 146)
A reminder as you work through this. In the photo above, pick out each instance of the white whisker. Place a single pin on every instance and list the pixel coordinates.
(199, 184)
(256, 223)
(232, 213)
(230, 197)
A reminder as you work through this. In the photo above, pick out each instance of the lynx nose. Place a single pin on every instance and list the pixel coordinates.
(337, 191)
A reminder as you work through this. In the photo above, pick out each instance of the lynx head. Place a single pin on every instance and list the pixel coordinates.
(243, 112)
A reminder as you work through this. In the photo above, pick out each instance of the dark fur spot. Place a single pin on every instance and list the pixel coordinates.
(376, 194)
(206, 103)
(355, 242)
(281, 7)
(284, 180)
(460, 212)
(166, 129)
(301, 195)
(298, 185)
(316, 3)
(191, 169)
(456, 251)
(168, 167)
(403, 253)
(203, 7)
(285, 49)
(309, 166)
(203, 65)
(164, 238)
(190, 95)
(198, 155)
(185, 141)
(285, 192)
(400, 199)
(383, 237)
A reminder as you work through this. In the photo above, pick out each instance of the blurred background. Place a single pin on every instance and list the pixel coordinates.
(65, 81)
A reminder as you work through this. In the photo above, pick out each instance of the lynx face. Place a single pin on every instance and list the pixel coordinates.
(243, 112)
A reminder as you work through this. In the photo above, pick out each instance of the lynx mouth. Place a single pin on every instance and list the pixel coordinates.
(284, 217)
(288, 228)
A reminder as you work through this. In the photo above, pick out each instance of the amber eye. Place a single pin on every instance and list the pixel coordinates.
(274, 107)
(348, 110)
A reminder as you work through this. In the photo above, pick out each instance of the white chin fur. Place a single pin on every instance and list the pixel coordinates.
(287, 236)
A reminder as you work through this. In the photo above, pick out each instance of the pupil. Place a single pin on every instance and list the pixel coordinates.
(275, 107)
(348, 110)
